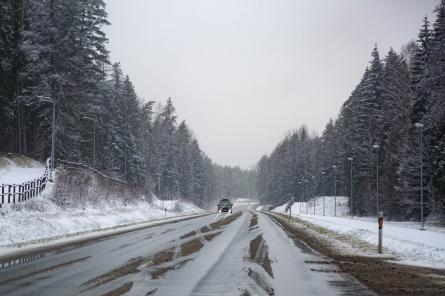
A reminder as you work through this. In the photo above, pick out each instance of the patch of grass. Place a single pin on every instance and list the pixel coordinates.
(188, 235)
(191, 247)
(205, 229)
(254, 246)
(209, 237)
(253, 220)
(129, 268)
(164, 256)
(160, 272)
(220, 223)
(121, 290)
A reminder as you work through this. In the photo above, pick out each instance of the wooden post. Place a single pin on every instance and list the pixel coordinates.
(3, 195)
(20, 193)
(32, 188)
(9, 193)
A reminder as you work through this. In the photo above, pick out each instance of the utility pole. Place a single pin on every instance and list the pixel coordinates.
(125, 162)
(422, 220)
(335, 189)
(323, 190)
(376, 147)
(306, 195)
(53, 141)
(350, 180)
(301, 194)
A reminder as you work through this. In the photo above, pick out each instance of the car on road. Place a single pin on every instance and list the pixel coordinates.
(225, 206)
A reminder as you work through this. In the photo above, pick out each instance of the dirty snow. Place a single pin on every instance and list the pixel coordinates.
(413, 246)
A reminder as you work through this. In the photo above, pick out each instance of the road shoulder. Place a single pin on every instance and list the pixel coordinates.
(53, 243)
(378, 273)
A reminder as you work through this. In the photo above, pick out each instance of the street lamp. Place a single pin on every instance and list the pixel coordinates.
(350, 180)
(94, 138)
(160, 193)
(53, 132)
(376, 147)
(335, 189)
(306, 195)
(314, 190)
(301, 194)
(420, 126)
(125, 162)
(323, 190)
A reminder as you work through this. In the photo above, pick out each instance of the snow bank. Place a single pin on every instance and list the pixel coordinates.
(411, 245)
(40, 218)
(16, 169)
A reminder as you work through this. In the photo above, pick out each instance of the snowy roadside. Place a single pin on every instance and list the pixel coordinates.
(51, 243)
(18, 169)
(42, 219)
(401, 239)
(40, 223)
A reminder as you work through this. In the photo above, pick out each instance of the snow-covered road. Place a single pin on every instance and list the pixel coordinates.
(243, 253)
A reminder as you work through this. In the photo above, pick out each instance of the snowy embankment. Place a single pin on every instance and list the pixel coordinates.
(41, 219)
(18, 169)
(404, 239)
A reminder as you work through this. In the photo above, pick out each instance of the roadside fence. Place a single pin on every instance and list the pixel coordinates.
(12, 193)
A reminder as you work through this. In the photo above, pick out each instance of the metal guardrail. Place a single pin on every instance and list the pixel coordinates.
(12, 193)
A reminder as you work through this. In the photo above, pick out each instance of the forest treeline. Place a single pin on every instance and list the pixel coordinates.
(395, 97)
(55, 51)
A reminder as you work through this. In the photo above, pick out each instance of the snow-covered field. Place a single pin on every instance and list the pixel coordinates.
(41, 219)
(411, 245)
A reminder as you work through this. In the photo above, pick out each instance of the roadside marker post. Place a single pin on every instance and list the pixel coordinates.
(380, 220)
(289, 207)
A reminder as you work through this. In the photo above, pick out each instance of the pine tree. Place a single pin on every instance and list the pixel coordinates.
(396, 111)
(437, 115)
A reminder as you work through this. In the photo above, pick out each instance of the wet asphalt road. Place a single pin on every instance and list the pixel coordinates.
(191, 257)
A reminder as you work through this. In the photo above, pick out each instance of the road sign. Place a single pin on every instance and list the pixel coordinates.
(289, 205)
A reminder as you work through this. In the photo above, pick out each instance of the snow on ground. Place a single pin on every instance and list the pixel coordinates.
(413, 246)
(17, 169)
(329, 206)
(40, 218)
(244, 201)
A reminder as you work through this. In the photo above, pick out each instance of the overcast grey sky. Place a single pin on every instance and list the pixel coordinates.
(243, 73)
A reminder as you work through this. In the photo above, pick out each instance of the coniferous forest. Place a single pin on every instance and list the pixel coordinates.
(54, 51)
(400, 98)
